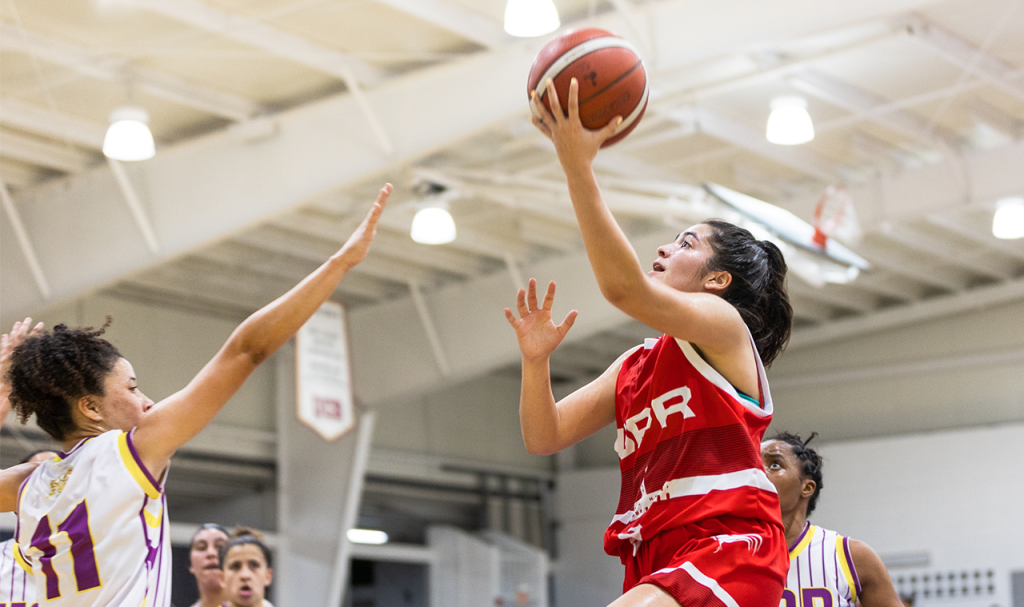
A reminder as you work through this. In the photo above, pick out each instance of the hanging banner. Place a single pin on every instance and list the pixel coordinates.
(322, 372)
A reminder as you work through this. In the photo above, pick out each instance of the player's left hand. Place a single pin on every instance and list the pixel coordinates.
(9, 341)
(576, 145)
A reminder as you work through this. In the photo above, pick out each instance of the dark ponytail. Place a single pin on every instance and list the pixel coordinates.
(758, 287)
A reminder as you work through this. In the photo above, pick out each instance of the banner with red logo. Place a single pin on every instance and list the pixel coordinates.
(322, 372)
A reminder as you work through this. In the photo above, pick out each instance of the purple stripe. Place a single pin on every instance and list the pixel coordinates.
(799, 584)
(835, 558)
(797, 541)
(63, 455)
(824, 578)
(138, 460)
(849, 561)
(160, 547)
(3, 565)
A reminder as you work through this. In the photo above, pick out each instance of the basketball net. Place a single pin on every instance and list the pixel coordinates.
(834, 216)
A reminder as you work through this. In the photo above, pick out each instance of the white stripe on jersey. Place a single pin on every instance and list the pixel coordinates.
(16, 585)
(93, 525)
(821, 571)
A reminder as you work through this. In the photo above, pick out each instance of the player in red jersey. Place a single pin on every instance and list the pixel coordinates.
(698, 520)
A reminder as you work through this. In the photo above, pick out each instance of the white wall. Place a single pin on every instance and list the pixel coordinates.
(957, 495)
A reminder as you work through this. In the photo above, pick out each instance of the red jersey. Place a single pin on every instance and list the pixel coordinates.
(689, 445)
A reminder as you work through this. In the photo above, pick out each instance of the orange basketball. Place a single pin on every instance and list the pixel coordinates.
(613, 81)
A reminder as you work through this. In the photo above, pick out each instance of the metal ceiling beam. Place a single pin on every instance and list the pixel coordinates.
(318, 148)
(744, 137)
(984, 239)
(394, 244)
(964, 258)
(103, 67)
(42, 121)
(43, 153)
(857, 100)
(350, 70)
(455, 19)
(966, 55)
(20, 175)
(936, 307)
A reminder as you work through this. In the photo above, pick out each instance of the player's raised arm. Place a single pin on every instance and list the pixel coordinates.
(705, 320)
(712, 283)
(174, 421)
(549, 427)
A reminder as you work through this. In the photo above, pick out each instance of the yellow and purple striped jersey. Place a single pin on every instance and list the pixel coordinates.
(821, 571)
(93, 530)
(17, 588)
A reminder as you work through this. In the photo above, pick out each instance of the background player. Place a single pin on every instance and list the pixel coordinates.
(204, 564)
(103, 493)
(698, 521)
(826, 569)
(246, 563)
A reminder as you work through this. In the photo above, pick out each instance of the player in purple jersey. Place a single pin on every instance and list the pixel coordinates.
(826, 569)
(106, 491)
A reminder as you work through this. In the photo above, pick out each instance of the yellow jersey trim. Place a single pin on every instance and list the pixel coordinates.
(847, 569)
(153, 520)
(134, 468)
(795, 552)
(20, 559)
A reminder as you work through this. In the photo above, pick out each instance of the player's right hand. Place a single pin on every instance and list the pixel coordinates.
(538, 335)
(355, 249)
(10, 341)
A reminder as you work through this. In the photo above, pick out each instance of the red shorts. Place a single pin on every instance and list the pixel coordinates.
(724, 561)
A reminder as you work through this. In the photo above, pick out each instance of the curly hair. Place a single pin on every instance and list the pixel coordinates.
(811, 463)
(758, 288)
(51, 371)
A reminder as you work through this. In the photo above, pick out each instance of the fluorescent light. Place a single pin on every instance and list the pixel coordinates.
(433, 225)
(789, 122)
(531, 18)
(367, 536)
(1008, 222)
(128, 137)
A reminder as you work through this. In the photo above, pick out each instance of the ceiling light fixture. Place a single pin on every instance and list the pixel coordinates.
(433, 224)
(367, 536)
(128, 137)
(789, 122)
(1008, 222)
(531, 18)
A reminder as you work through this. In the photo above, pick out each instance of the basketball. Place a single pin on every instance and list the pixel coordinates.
(611, 75)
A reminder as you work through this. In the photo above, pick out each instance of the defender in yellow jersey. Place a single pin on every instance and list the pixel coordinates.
(825, 569)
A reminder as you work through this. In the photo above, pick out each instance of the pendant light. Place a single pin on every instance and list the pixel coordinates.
(1008, 222)
(531, 18)
(789, 122)
(128, 137)
(433, 224)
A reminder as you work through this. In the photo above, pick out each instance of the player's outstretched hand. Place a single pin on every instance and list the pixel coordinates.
(576, 145)
(354, 250)
(10, 341)
(538, 335)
